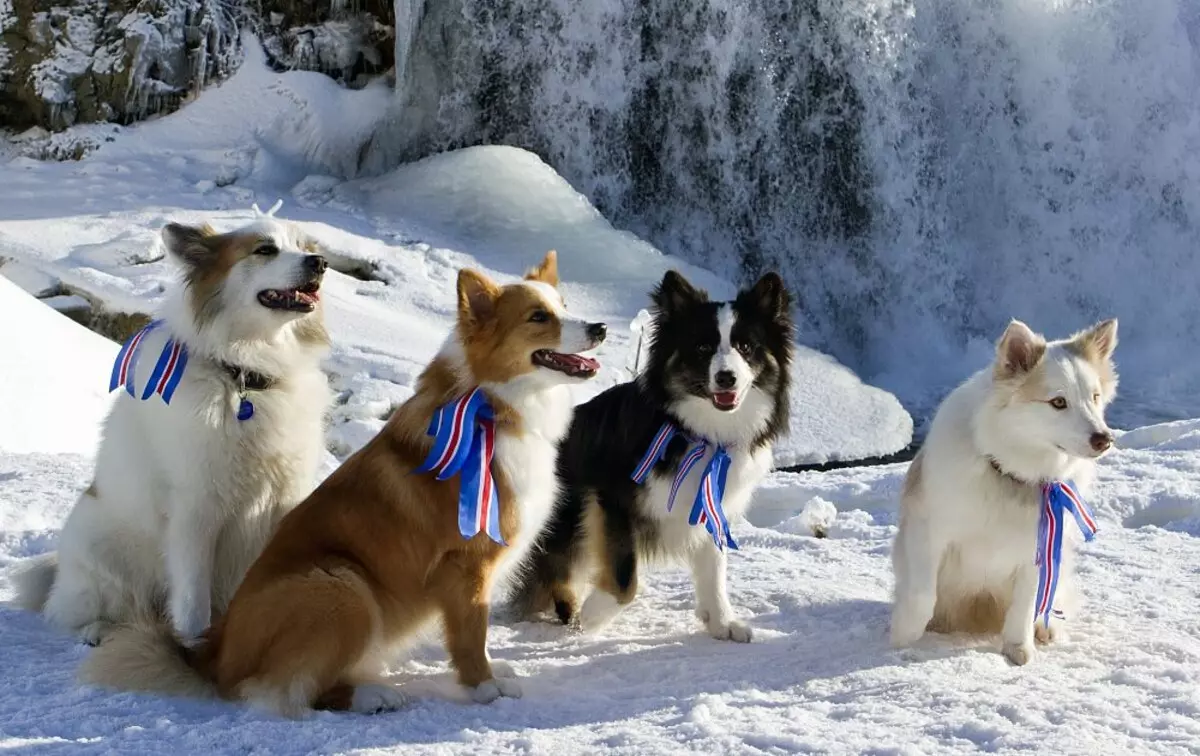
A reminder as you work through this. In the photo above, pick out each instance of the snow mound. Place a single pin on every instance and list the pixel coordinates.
(814, 519)
(1182, 435)
(54, 385)
(510, 203)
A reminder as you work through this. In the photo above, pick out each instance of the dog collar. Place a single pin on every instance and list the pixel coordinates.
(247, 380)
(1006, 474)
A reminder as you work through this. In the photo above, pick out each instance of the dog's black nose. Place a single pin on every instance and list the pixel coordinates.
(597, 331)
(726, 379)
(315, 263)
(1101, 441)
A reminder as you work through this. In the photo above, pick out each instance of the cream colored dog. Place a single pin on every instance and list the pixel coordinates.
(964, 553)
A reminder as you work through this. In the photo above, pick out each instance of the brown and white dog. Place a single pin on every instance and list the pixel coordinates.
(186, 493)
(376, 552)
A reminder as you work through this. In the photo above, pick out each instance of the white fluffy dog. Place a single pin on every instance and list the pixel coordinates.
(186, 493)
(970, 516)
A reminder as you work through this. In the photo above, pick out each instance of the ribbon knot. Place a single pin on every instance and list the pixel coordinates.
(706, 508)
(167, 373)
(464, 443)
(1057, 497)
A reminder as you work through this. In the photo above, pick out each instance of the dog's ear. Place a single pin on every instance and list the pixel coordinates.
(1098, 342)
(477, 296)
(768, 296)
(546, 271)
(189, 245)
(1019, 350)
(674, 294)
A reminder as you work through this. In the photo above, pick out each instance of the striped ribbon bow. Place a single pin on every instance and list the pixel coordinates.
(167, 373)
(1057, 497)
(464, 442)
(706, 508)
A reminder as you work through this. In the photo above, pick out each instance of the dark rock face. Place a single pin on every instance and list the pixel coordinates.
(729, 132)
(64, 62)
(351, 43)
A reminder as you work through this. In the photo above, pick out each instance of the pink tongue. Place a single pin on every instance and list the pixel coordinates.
(725, 398)
(577, 360)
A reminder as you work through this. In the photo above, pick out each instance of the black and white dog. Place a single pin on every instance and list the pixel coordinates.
(654, 469)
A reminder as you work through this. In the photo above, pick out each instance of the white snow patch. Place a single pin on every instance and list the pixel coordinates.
(54, 385)
(815, 519)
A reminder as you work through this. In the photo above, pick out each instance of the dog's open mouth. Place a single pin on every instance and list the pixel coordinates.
(574, 365)
(725, 400)
(301, 299)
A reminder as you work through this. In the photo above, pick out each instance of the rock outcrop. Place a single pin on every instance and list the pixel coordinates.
(64, 62)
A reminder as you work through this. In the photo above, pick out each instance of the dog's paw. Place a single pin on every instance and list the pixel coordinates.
(906, 628)
(189, 621)
(489, 690)
(510, 687)
(503, 669)
(375, 698)
(598, 611)
(191, 641)
(94, 633)
(1019, 654)
(734, 630)
(1056, 633)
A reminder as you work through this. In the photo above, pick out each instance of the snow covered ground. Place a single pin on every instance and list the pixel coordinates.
(819, 676)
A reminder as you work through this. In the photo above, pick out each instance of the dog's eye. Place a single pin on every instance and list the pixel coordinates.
(704, 349)
(744, 348)
(266, 249)
(1095, 397)
(539, 316)
(1058, 403)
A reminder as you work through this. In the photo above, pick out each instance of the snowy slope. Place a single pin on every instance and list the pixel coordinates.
(54, 378)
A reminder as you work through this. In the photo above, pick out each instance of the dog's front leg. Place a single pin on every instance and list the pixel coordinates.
(916, 556)
(461, 589)
(191, 545)
(712, 598)
(1018, 621)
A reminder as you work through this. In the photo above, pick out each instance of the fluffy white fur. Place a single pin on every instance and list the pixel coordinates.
(967, 536)
(185, 496)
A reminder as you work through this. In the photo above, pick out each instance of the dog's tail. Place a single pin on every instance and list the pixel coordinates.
(34, 581)
(145, 656)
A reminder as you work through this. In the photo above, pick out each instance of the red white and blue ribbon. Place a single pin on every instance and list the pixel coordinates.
(1057, 498)
(706, 508)
(658, 447)
(464, 443)
(167, 373)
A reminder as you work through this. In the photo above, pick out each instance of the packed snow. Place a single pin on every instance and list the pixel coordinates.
(813, 572)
